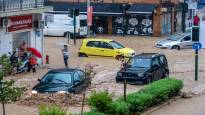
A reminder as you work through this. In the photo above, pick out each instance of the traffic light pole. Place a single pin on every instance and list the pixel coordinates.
(196, 65)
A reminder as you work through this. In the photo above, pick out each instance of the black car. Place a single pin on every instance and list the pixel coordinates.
(144, 68)
(62, 81)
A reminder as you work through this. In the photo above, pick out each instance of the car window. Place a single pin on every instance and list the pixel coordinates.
(57, 77)
(76, 77)
(82, 75)
(105, 45)
(187, 38)
(93, 44)
(116, 45)
(155, 62)
(163, 60)
(139, 63)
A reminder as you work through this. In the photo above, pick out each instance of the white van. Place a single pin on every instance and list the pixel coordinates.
(62, 25)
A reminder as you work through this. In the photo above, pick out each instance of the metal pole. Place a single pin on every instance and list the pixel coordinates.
(88, 27)
(74, 27)
(196, 65)
(183, 17)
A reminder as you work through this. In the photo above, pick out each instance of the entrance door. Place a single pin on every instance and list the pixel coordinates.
(100, 25)
(18, 38)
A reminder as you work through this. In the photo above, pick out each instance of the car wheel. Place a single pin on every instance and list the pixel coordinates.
(176, 47)
(82, 55)
(118, 57)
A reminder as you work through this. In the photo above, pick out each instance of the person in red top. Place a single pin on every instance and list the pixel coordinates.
(196, 20)
(32, 63)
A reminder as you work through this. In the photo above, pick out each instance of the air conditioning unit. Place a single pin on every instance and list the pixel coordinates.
(39, 24)
(5, 23)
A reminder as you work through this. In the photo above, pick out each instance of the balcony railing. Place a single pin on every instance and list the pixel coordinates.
(15, 5)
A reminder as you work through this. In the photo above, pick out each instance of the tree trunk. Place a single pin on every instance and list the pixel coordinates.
(3, 109)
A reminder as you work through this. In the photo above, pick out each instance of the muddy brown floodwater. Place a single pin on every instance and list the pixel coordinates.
(181, 64)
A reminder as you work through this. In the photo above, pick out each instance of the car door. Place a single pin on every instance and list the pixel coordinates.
(106, 49)
(156, 68)
(164, 66)
(77, 86)
(93, 48)
(186, 42)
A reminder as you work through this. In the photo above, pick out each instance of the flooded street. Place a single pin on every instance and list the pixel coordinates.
(181, 65)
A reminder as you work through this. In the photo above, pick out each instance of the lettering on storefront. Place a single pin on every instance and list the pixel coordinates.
(20, 23)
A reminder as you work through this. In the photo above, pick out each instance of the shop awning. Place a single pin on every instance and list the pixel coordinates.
(102, 9)
(142, 8)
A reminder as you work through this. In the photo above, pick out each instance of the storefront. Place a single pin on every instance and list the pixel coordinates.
(19, 29)
(166, 23)
(134, 25)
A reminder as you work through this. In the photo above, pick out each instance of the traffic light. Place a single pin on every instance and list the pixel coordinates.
(71, 13)
(76, 12)
(195, 33)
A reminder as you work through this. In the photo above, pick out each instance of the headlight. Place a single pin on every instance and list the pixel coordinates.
(34, 92)
(119, 74)
(61, 92)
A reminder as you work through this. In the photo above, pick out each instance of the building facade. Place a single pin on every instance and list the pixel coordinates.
(144, 17)
(21, 21)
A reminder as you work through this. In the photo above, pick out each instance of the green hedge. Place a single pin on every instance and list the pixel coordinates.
(137, 102)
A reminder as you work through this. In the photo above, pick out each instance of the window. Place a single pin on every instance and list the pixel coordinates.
(93, 44)
(82, 75)
(76, 77)
(116, 45)
(187, 38)
(155, 62)
(105, 45)
(83, 23)
(163, 60)
(139, 63)
(57, 77)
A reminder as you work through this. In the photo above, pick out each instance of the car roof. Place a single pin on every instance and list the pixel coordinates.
(98, 39)
(69, 70)
(147, 55)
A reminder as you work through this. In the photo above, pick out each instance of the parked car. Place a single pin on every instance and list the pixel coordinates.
(104, 47)
(177, 41)
(144, 68)
(62, 81)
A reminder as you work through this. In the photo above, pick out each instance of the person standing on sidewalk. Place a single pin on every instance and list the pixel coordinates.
(65, 55)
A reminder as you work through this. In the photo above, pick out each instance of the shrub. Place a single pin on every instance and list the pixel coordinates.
(137, 102)
(118, 108)
(51, 110)
(100, 101)
(93, 113)
(154, 94)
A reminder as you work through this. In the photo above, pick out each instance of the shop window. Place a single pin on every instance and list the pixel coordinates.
(18, 38)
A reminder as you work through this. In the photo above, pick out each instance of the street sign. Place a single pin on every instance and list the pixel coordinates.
(197, 46)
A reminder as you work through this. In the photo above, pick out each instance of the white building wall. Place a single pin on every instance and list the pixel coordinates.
(6, 42)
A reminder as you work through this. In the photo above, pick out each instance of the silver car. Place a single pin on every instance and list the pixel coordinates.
(177, 41)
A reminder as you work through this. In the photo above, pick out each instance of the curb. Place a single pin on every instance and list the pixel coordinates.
(155, 108)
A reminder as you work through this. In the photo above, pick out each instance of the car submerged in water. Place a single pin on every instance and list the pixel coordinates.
(177, 41)
(144, 68)
(62, 81)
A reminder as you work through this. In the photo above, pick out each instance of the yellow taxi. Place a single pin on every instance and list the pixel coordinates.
(104, 47)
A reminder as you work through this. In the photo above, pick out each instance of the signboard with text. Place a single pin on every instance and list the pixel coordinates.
(17, 23)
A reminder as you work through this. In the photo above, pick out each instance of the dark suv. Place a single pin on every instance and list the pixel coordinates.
(144, 68)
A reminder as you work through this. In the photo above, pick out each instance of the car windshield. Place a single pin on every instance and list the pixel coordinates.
(57, 77)
(116, 45)
(175, 37)
(139, 63)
